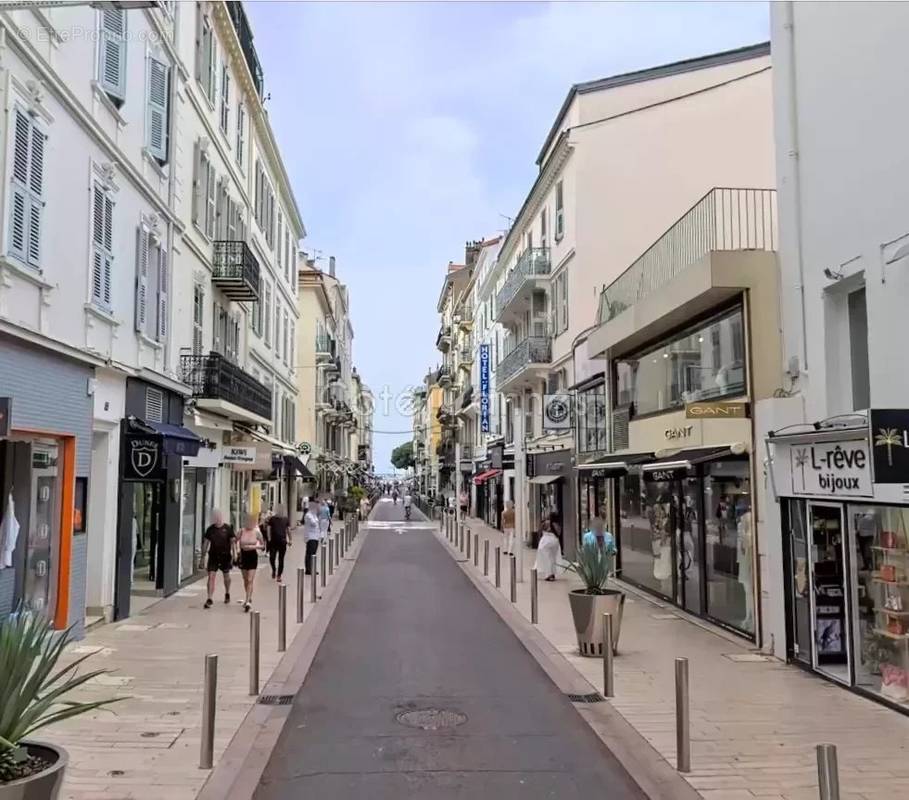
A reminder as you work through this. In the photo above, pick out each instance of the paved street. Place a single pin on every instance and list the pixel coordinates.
(411, 634)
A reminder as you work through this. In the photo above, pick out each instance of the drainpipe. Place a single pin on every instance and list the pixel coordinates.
(794, 169)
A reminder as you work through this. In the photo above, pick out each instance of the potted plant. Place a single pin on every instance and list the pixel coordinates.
(32, 696)
(594, 566)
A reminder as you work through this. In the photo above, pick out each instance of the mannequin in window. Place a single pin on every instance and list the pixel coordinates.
(744, 555)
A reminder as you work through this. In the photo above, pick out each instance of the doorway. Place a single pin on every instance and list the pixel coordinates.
(148, 547)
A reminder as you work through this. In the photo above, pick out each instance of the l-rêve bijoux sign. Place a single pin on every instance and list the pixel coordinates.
(831, 468)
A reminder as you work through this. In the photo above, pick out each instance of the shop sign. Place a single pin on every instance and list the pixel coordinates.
(143, 457)
(717, 410)
(831, 468)
(6, 414)
(247, 456)
(495, 457)
(556, 412)
(484, 388)
(304, 448)
(683, 432)
(890, 445)
(658, 475)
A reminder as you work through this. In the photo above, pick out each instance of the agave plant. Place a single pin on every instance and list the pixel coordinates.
(594, 566)
(32, 688)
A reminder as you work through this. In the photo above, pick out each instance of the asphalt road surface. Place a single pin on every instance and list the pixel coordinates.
(411, 634)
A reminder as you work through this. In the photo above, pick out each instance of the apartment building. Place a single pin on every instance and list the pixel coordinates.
(625, 158)
(130, 187)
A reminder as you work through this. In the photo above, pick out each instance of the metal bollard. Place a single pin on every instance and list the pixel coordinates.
(534, 598)
(498, 567)
(682, 717)
(828, 774)
(486, 558)
(282, 618)
(209, 699)
(338, 551)
(253, 653)
(468, 542)
(514, 579)
(342, 546)
(322, 575)
(313, 571)
(476, 549)
(331, 555)
(301, 593)
(608, 658)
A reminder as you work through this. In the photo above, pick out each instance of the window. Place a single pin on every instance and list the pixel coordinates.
(206, 58)
(102, 245)
(544, 241)
(592, 423)
(285, 349)
(858, 350)
(158, 108)
(151, 286)
(112, 55)
(257, 312)
(27, 189)
(265, 205)
(267, 315)
(280, 250)
(559, 212)
(686, 368)
(198, 313)
(225, 99)
(241, 133)
(226, 336)
(293, 339)
(154, 405)
(204, 194)
(560, 302)
(222, 210)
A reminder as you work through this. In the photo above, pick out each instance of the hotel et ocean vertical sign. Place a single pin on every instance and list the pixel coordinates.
(484, 388)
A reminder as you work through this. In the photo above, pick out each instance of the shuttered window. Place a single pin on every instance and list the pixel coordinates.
(206, 57)
(267, 315)
(102, 223)
(27, 189)
(142, 259)
(158, 108)
(204, 190)
(112, 54)
(163, 294)
(241, 133)
(198, 314)
(154, 405)
(225, 99)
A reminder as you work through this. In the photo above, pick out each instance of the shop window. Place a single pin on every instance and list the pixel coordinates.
(647, 525)
(702, 363)
(591, 415)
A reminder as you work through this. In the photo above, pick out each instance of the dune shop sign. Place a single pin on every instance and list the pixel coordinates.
(890, 445)
(831, 468)
(143, 457)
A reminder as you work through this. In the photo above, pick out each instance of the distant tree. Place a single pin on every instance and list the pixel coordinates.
(402, 456)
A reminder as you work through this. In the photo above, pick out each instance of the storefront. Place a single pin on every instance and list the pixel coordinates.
(45, 460)
(845, 520)
(154, 444)
(549, 477)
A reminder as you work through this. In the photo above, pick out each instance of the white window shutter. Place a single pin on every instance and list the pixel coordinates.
(141, 279)
(97, 244)
(108, 246)
(113, 53)
(163, 291)
(158, 79)
(209, 199)
(197, 183)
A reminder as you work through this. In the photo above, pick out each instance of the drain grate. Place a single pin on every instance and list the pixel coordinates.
(594, 697)
(276, 699)
(431, 719)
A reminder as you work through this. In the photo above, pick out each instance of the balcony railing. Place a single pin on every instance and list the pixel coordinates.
(325, 347)
(724, 219)
(213, 377)
(443, 340)
(236, 270)
(244, 34)
(532, 350)
(532, 263)
(444, 376)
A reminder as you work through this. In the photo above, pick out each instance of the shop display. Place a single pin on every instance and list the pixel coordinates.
(829, 597)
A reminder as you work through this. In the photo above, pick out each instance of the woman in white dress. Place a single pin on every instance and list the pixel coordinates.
(549, 552)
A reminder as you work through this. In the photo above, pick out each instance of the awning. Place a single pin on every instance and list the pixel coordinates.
(544, 479)
(178, 441)
(485, 476)
(615, 465)
(678, 464)
(277, 445)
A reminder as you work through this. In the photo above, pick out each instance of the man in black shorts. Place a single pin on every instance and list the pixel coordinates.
(219, 543)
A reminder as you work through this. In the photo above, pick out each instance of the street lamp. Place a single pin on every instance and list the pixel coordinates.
(113, 5)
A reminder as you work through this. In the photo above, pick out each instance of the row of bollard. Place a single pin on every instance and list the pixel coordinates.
(339, 543)
(828, 773)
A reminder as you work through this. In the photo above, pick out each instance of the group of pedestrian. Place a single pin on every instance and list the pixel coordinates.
(223, 548)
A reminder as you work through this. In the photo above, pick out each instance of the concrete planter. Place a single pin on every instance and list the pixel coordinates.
(43, 786)
(587, 611)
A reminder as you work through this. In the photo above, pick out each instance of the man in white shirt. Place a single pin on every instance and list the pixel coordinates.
(312, 534)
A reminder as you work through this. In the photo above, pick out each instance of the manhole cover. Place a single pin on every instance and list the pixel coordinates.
(432, 719)
(593, 697)
(276, 699)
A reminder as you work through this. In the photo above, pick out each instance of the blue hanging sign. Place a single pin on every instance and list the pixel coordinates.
(484, 388)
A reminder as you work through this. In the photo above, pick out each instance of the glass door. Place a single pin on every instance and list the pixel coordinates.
(801, 606)
(689, 543)
(828, 581)
(189, 524)
(43, 528)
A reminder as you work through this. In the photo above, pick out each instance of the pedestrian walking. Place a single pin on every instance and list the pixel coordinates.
(599, 536)
(549, 552)
(312, 533)
(324, 518)
(279, 538)
(218, 547)
(250, 542)
(508, 528)
(464, 501)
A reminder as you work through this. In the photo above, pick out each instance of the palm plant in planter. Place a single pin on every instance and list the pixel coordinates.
(33, 694)
(594, 566)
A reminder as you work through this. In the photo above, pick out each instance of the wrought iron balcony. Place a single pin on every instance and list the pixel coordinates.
(530, 351)
(724, 219)
(532, 263)
(325, 347)
(244, 34)
(236, 270)
(213, 377)
(443, 340)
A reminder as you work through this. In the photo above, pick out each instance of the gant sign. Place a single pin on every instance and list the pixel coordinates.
(831, 468)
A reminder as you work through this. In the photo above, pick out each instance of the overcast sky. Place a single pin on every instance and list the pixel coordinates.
(408, 128)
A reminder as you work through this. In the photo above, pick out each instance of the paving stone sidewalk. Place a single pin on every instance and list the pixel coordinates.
(147, 746)
(754, 720)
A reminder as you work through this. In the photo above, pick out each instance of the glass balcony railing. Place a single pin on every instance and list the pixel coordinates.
(532, 263)
(530, 351)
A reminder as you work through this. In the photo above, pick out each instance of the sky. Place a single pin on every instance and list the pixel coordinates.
(409, 128)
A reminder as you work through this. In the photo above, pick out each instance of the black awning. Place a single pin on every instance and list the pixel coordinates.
(613, 465)
(293, 464)
(677, 465)
(178, 441)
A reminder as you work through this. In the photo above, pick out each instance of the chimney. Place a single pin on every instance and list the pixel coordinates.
(331, 266)
(472, 252)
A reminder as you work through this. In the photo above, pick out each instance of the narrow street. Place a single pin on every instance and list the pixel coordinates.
(411, 634)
